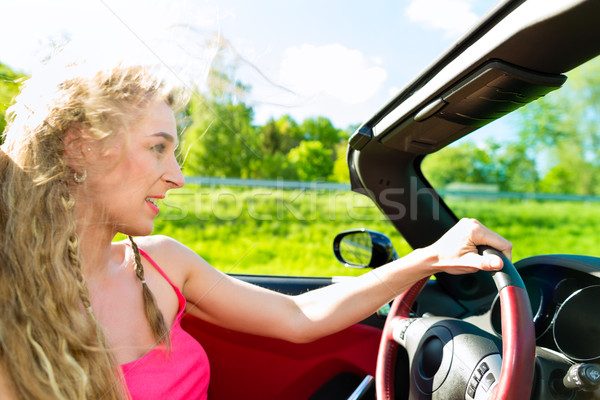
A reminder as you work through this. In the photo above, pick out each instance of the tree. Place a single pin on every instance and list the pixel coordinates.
(517, 169)
(320, 129)
(571, 173)
(506, 165)
(280, 136)
(271, 138)
(311, 160)
(221, 140)
(276, 166)
(463, 162)
(290, 133)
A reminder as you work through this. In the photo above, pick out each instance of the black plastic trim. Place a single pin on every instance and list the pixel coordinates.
(508, 276)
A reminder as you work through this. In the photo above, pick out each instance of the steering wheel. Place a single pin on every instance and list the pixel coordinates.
(450, 358)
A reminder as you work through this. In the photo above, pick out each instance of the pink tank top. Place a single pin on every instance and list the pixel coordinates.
(182, 374)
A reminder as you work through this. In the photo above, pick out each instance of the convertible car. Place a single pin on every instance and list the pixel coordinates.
(531, 331)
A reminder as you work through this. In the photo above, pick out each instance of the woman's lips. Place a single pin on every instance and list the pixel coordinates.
(151, 201)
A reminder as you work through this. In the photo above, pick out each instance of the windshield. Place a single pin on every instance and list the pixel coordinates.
(533, 176)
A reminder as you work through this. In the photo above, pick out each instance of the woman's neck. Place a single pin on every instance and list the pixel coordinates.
(97, 252)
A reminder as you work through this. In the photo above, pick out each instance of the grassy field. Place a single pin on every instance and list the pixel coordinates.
(290, 232)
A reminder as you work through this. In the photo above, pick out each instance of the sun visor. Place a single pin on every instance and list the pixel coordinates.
(485, 95)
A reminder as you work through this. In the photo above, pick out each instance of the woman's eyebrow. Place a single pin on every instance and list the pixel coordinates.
(167, 136)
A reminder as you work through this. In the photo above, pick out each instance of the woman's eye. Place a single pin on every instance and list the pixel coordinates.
(159, 148)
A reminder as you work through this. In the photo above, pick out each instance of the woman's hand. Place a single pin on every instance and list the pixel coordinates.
(456, 251)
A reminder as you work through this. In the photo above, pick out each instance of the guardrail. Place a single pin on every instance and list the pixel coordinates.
(333, 186)
(519, 195)
(266, 183)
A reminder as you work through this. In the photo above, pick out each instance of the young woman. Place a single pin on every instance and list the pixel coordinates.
(86, 156)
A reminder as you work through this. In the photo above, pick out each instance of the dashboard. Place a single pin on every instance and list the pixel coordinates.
(564, 292)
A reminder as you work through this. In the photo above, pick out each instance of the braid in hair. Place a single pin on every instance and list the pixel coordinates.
(155, 317)
(73, 249)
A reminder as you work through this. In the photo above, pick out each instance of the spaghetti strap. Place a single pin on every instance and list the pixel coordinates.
(147, 257)
(180, 298)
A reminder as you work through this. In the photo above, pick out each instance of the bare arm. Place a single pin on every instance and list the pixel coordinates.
(237, 305)
(338, 306)
(233, 304)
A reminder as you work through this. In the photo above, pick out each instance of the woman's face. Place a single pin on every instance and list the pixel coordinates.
(132, 172)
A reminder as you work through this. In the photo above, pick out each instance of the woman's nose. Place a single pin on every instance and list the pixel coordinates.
(174, 177)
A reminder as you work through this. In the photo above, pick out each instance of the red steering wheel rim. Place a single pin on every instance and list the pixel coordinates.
(518, 339)
(388, 348)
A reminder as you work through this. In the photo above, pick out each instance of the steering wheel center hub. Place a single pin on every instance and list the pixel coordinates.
(433, 360)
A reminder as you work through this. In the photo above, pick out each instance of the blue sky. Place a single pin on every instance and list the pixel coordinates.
(340, 59)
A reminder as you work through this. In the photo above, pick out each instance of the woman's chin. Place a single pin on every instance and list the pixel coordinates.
(137, 230)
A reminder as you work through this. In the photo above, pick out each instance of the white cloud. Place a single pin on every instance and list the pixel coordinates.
(329, 80)
(452, 16)
(333, 70)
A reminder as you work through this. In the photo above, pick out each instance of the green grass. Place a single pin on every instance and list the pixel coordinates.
(539, 227)
(290, 232)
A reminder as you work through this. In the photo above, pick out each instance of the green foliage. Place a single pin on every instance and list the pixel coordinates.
(538, 227)
(9, 87)
(277, 166)
(320, 129)
(464, 162)
(340, 166)
(578, 177)
(312, 160)
(280, 136)
(290, 232)
(221, 140)
(271, 142)
(517, 170)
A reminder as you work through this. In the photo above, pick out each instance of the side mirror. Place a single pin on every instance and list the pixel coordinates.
(362, 248)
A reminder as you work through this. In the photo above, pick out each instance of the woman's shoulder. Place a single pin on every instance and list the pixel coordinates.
(155, 245)
(170, 254)
(158, 243)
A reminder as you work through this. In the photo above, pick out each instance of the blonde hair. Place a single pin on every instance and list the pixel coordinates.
(51, 345)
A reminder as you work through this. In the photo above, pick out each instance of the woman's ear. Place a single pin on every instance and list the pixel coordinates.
(77, 146)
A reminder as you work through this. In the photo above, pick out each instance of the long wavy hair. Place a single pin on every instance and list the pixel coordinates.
(51, 345)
